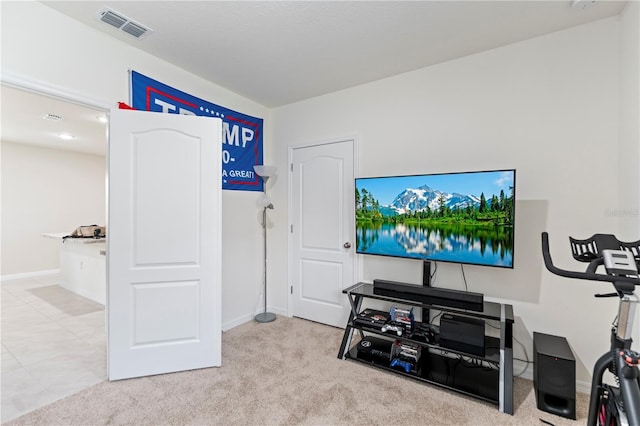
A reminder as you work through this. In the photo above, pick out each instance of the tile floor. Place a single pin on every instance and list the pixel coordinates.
(53, 344)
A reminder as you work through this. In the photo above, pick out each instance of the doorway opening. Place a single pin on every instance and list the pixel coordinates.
(53, 340)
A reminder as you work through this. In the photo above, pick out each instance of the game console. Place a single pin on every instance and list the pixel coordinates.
(462, 333)
(372, 318)
(374, 349)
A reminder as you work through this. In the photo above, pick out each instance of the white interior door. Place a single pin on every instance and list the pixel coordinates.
(163, 245)
(322, 231)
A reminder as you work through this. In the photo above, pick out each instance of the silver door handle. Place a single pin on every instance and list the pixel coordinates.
(347, 245)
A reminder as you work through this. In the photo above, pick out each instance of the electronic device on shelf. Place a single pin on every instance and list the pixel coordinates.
(430, 295)
(372, 318)
(374, 349)
(411, 217)
(462, 333)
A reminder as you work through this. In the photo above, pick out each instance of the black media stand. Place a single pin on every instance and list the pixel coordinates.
(440, 364)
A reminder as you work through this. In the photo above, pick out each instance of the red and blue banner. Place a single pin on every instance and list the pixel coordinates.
(241, 136)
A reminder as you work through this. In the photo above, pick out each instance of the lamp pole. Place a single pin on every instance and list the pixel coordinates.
(265, 316)
(265, 173)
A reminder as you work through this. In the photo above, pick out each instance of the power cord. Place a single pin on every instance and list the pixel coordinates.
(464, 278)
(524, 350)
(436, 316)
(466, 288)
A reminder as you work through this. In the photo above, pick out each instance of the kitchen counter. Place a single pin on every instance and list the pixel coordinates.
(60, 237)
(83, 265)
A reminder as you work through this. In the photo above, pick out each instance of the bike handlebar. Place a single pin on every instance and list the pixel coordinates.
(622, 283)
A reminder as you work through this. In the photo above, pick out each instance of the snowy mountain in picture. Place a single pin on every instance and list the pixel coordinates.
(418, 199)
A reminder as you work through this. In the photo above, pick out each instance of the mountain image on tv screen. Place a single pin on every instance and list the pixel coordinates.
(454, 217)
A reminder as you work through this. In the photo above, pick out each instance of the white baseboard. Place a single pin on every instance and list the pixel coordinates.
(29, 274)
(582, 387)
(236, 322)
(246, 318)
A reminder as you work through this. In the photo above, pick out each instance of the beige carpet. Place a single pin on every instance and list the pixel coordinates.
(285, 373)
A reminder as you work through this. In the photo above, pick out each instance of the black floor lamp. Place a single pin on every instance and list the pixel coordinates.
(265, 172)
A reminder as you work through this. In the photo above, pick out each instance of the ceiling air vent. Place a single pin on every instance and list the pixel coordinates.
(123, 23)
(52, 117)
(112, 18)
(134, 29)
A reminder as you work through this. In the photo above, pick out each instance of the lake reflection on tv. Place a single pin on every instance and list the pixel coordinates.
(492, 246)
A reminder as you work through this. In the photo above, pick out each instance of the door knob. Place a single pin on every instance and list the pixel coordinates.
(347, 245)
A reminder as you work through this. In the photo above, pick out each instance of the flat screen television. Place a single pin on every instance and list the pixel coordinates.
(464, 217)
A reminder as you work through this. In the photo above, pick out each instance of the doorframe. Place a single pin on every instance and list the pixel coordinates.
(290, 149)
(40, 87)
(65, 94)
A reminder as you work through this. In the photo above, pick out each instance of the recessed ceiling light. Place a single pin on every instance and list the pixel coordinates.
(66, 136)
(52, 117)
(102, 118)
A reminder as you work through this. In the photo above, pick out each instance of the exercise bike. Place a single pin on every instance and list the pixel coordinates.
(611, 405)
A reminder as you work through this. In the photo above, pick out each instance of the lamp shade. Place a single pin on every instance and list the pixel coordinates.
(265, 171)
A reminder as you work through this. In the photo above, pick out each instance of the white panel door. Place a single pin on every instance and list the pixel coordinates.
(322, 231)
(163, 243)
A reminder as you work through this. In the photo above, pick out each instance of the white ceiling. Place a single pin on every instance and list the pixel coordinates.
(23, 122)
(279, 52)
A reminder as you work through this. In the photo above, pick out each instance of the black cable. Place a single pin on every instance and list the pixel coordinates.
(525, 355)
(432, 319)
(478, 363)
(464, 278)
(524, 350)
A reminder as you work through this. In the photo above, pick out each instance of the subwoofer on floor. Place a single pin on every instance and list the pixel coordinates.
(554, 375)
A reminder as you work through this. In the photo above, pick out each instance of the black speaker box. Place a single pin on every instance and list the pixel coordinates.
(462, 333)
(554, 375)
(430, 295)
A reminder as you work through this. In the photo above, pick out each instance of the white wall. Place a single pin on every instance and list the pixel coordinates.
(58, 51)
(46, 191)
(548, 107)
(629, 203)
